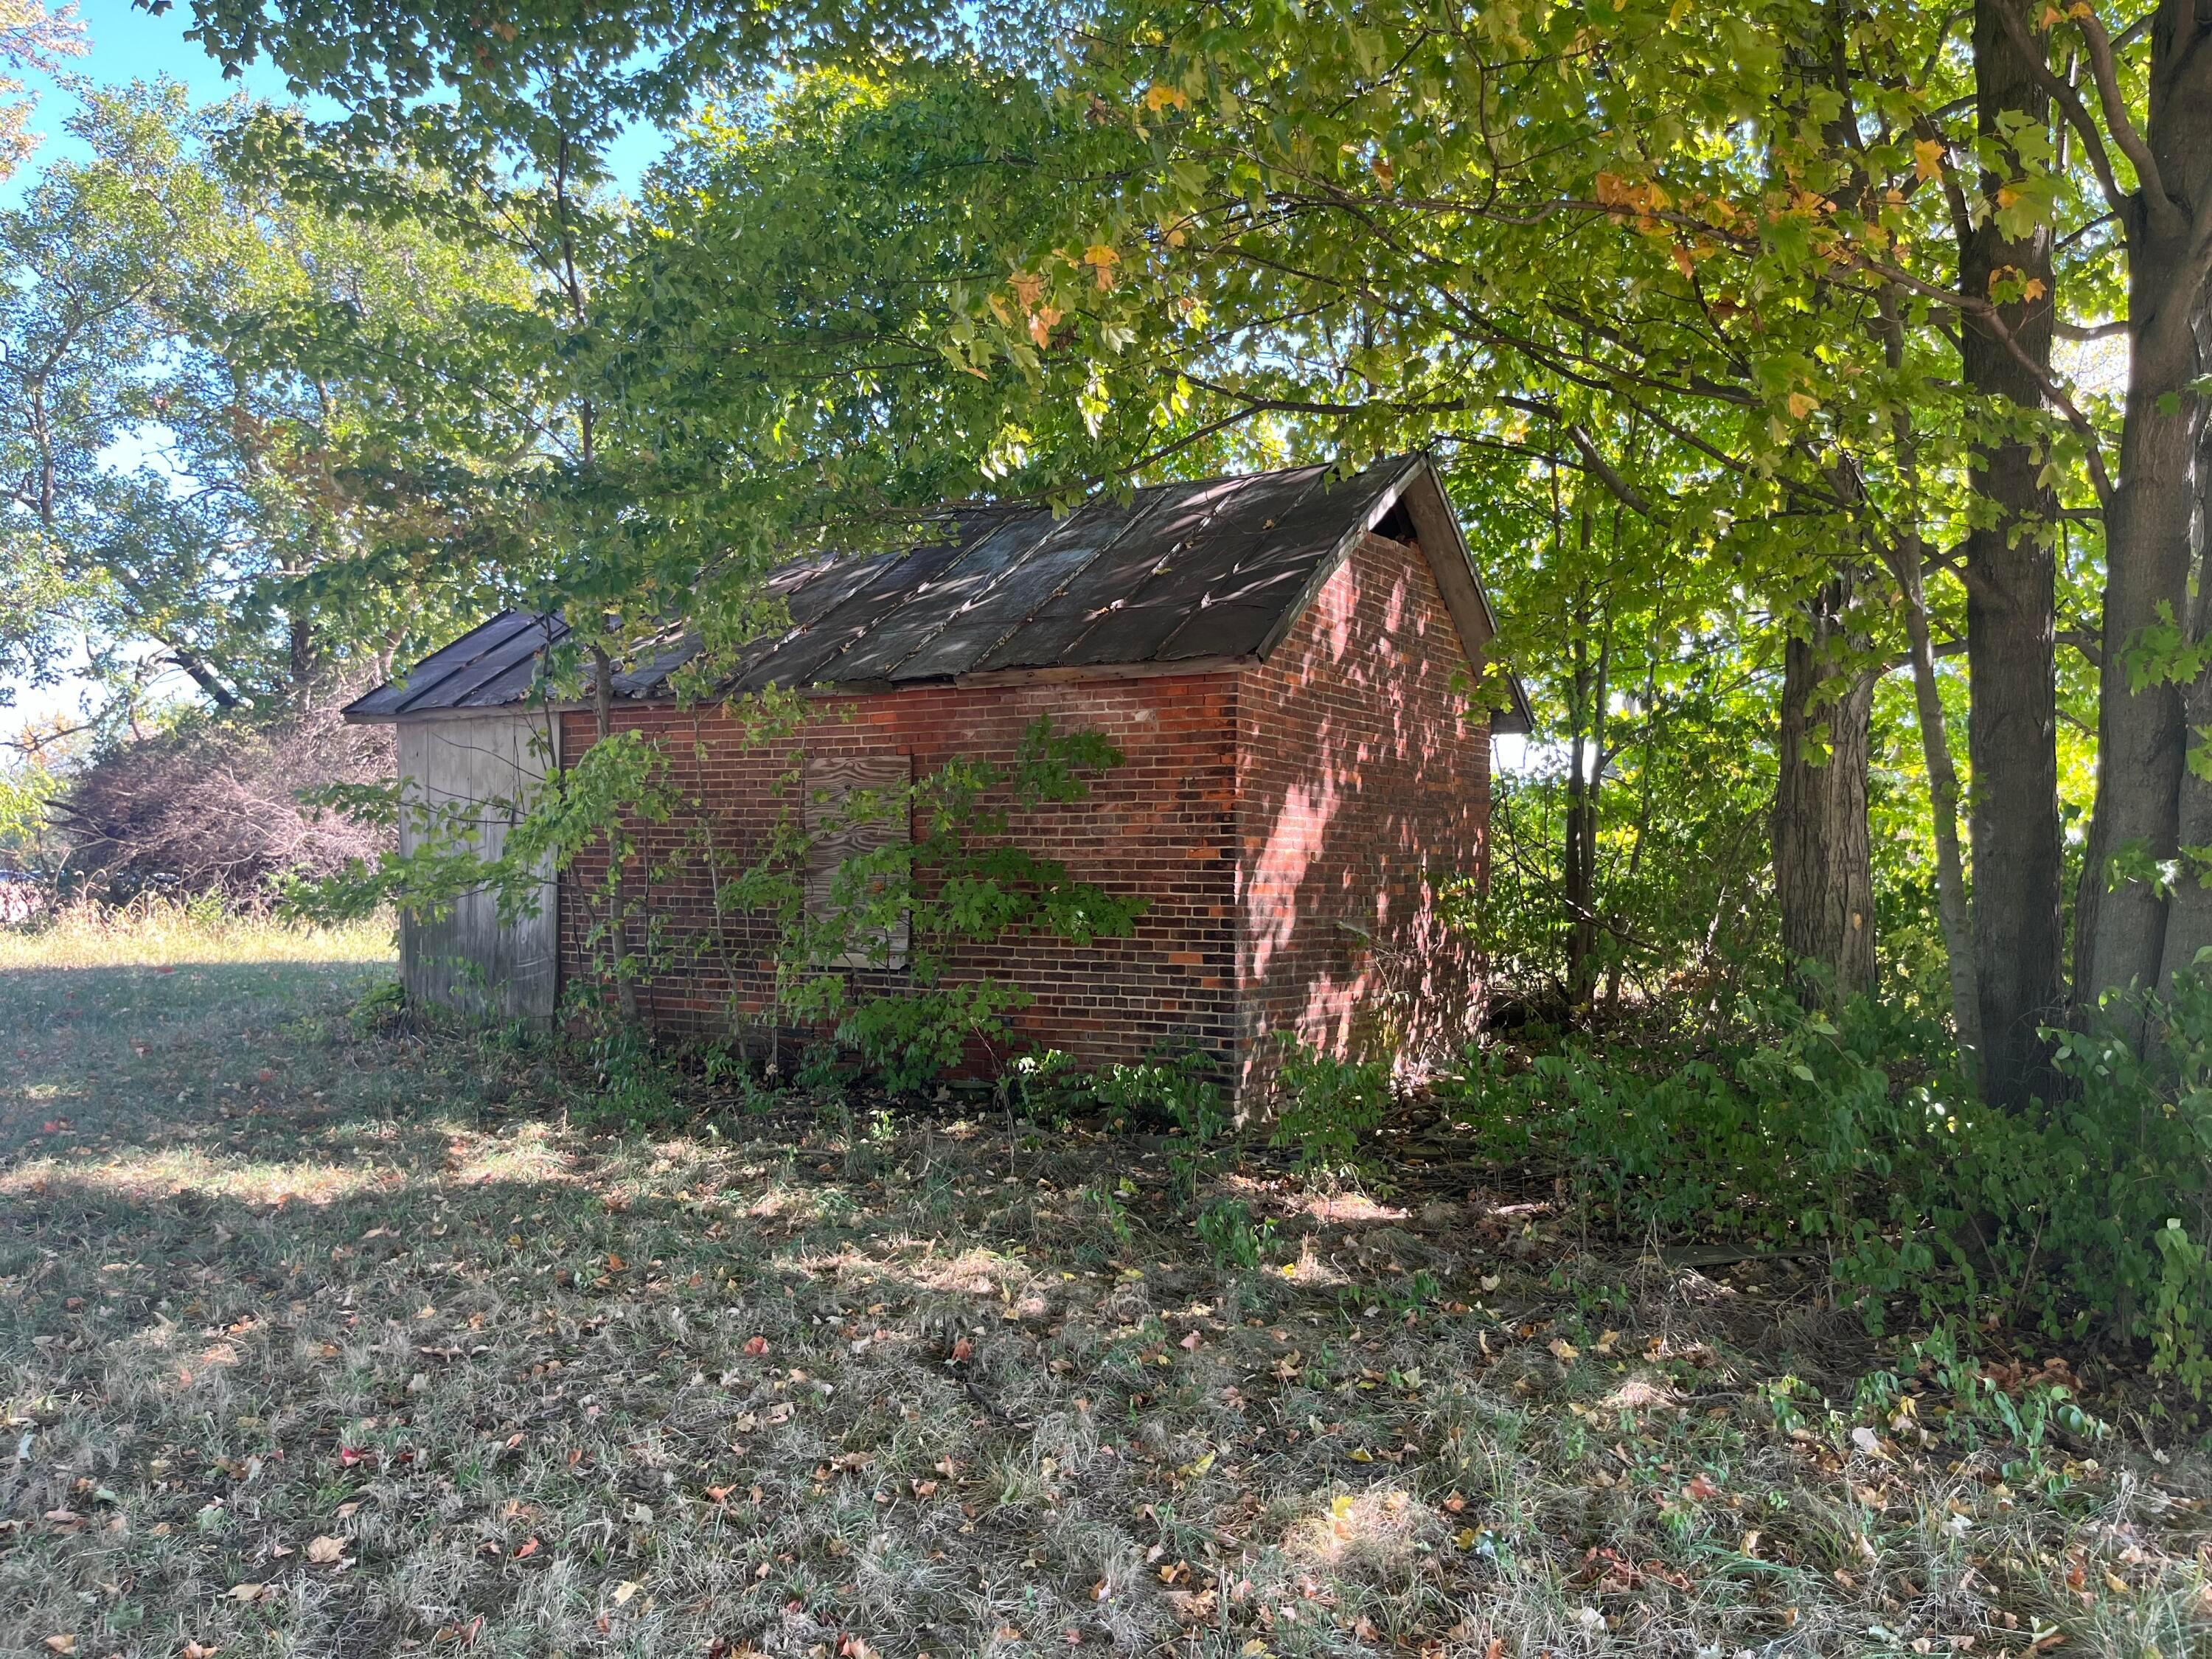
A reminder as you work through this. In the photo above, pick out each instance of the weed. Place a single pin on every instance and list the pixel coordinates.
(1226, 1228)
(1325, 1105)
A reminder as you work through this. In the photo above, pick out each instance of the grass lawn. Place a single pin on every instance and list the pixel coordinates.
(319, 1339)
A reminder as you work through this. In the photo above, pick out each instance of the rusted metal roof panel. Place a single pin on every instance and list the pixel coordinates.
(446, 676)
(1048, 564)
(1169, 573)
(1170, 600)
(807, 655)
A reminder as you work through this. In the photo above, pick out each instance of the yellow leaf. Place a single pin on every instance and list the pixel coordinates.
(1098, 253)
(1361, 1455)
(2032, 288)
(1159, 97)
(1683, 263)
(1563, 1350)
(1928, 159)
(1802, 403)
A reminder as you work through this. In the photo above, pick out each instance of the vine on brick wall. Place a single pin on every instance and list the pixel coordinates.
(958, 880)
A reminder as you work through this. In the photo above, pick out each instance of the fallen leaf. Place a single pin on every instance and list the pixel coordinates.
(324, 1549)
(624, 1590)
(246, 1592)
(62, 1644)
(529, 1547)
(755, 1346)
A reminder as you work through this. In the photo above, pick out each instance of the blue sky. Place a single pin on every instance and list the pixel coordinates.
(128, 45)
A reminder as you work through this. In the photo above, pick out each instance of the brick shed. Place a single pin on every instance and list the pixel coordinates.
(1285, 659)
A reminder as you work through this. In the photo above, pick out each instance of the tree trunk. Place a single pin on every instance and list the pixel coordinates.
(2189, 912)
(2150, 799)
(1585, 779)
(603, 713)
(1823, 863)
(1951, 901)
(2012, 620)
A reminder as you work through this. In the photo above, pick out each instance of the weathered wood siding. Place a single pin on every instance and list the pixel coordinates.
(489, 768)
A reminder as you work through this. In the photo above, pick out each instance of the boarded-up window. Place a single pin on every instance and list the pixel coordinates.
(839, 827)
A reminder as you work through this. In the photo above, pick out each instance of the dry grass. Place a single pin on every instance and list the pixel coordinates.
(785, 1385)
(158, 933)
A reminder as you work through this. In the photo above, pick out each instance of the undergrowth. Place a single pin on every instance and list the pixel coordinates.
(326, 1335)
(2084, 1217)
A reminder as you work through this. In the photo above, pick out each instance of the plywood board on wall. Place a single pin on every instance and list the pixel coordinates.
(479, 775)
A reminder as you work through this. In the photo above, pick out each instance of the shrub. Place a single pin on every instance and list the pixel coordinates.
(1225, 1227)
(1181, 1093)
(2091, 1212)
(1324, 1105)
(215, 806)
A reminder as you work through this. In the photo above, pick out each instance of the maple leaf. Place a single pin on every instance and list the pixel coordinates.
(323, 1550)
(1928, 159)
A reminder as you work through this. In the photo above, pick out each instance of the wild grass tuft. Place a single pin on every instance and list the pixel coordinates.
(154, 932)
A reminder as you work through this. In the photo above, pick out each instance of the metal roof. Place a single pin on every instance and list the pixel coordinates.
(1174, 574)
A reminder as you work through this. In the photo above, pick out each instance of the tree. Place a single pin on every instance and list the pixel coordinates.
(212, 400)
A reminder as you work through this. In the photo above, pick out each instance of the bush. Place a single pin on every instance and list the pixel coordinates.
(215, 807)
(2089, 1213)
(1324, 1105)
(1179, 1093)
(1224, 1226)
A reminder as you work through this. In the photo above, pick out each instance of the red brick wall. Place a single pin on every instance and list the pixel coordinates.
(1362, 784)
(1160, 826)
(1340, 783)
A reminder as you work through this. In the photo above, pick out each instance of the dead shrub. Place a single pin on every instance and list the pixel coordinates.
(214, 808)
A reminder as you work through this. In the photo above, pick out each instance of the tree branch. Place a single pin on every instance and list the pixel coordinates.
(2115, 106)
(2069, 99)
